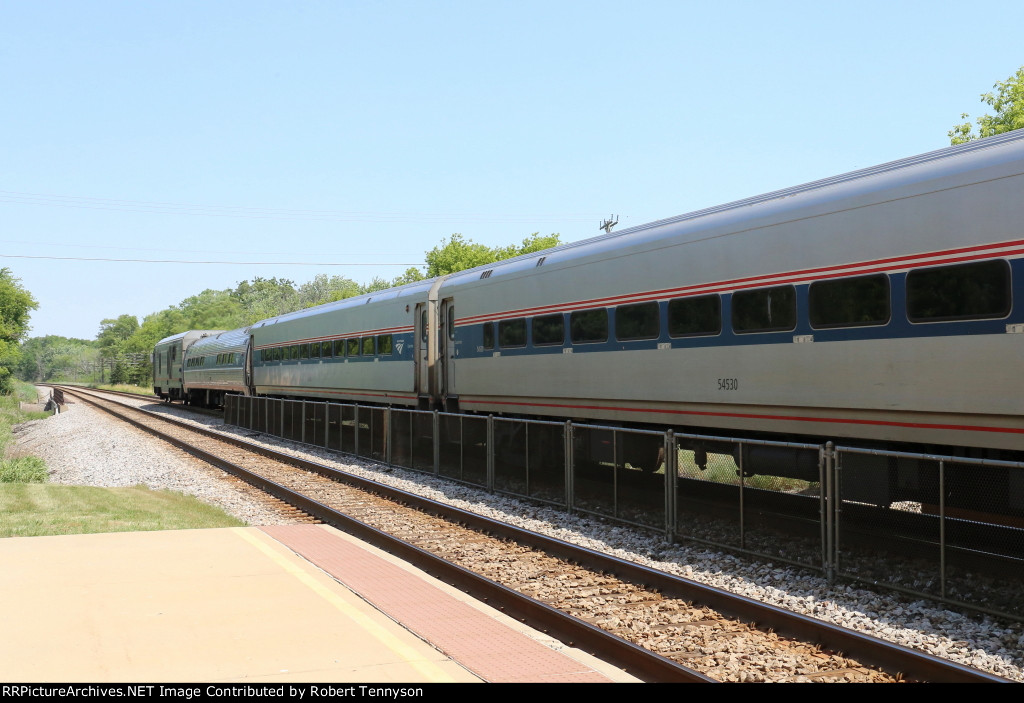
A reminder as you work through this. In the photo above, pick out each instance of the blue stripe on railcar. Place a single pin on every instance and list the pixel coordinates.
(899, 326)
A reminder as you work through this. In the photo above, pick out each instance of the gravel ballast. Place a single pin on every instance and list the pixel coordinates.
(87, 447)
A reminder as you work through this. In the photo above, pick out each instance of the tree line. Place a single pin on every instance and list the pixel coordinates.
(120, 352)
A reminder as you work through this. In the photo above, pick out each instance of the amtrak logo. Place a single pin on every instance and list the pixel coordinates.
(399, 345)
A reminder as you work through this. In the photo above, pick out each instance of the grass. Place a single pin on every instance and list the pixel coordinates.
(33, 509)
(123, 387)
(722, 468)
(23, 469)
(30, 507)
(20, 468)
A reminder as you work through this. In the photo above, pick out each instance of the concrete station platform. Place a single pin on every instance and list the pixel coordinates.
(300, 603)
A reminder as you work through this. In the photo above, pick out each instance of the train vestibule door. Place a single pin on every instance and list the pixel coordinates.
(421, 351)
(446, 339)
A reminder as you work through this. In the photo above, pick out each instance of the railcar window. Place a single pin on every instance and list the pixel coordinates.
(304, 351)
(549, 330)
(327, 349)
(962, 292)
(640, 321)
(384, 344)
(352, 347)
(367, 346)
(764, 310)
(314, 350)
(692, 317)
(512, 333)
(488, 335)
(451, 322)
(588, 326)
(850, 302)
(423, 327)
(296, 351)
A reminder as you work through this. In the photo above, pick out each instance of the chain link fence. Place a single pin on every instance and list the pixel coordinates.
(948, 528)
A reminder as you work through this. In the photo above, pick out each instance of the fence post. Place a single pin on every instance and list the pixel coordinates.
(387, 435)
(437, 444)
(837, 510)
(826, 505)
(942, 526)
(355, 429)
(671, 461)
(570, 489)
(743, 514)
(490, 453)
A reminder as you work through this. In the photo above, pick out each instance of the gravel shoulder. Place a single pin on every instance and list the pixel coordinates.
(86, 447)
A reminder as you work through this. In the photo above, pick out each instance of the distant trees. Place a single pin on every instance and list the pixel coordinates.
(123, 344)
(1008, 102)
(55, 358)
(15, 305)
(459, 253)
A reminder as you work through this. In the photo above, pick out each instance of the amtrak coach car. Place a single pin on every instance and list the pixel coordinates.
(367, 349)
(882, 306)
(218, 364)
(168, 362)
(877, 305)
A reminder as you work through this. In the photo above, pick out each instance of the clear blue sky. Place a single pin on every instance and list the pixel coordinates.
(349, 132)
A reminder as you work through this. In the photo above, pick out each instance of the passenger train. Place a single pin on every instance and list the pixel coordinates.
(880, 306)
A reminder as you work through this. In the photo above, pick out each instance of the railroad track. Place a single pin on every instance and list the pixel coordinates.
(657, 626)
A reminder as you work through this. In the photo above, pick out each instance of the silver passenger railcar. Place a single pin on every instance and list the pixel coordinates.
(168, 356)
(368, 349)
(216, 365)
(876, 305)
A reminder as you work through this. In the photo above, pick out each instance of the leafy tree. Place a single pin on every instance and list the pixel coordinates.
(1008, 103)
(212, 310)
(266, 297)
(54, 357)
(119, 374)
(411, 275)
(459, 253)
(323, 289)
(15, 305)
(114, 334)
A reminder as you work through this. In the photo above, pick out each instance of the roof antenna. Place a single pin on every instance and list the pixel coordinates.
(609, 223)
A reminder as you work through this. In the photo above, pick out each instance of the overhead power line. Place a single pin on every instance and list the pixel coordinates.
(164, 208)
(228, 263)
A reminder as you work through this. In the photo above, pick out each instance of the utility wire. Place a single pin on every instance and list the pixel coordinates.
(163, 208)
(229, 263)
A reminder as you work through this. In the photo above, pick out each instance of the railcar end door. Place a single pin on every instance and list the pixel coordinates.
(420, 352)
(447, 356)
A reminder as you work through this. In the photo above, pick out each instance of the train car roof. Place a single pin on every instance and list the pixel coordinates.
(408, 289)
(229, 340)
(181, 335)
(973, 155)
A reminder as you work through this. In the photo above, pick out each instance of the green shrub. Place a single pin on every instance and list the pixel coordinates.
(23, 469)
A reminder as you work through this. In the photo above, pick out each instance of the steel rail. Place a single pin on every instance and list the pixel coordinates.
(574, 632)
(871, 650)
